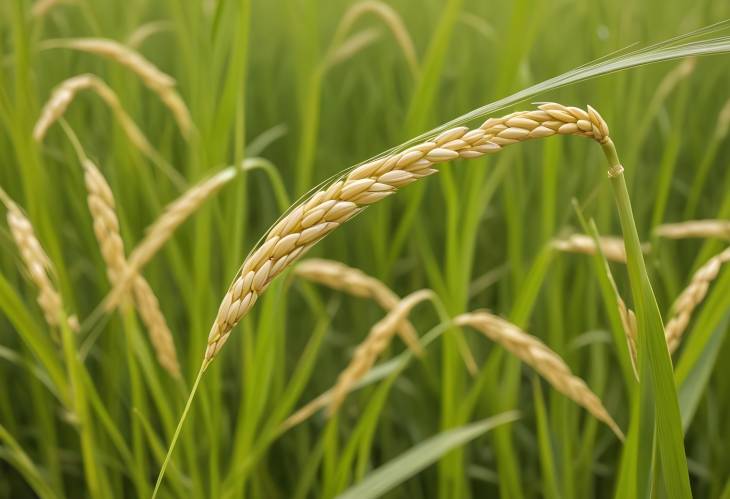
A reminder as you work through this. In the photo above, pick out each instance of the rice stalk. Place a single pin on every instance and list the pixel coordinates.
(37, 264)
(706, 229)
(691, 297)
(546, 362)
(611, 246)
(106, 228)
(338, 276)
(340, 200)
(64, 94)
(156, 80)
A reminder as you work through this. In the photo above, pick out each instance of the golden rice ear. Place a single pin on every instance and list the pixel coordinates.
(339, 276)
(373, 346)
(156, 80)
(707, 229)
(612, 247)
(363, 360)
(691, 297)
(310, 221)
(106, 229)
(546, 362)
(64, 94)
(37, 265)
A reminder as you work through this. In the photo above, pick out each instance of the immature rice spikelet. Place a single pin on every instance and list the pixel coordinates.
(612, 247)
(337, 275)
(719, 229)
(537, 355)
(37, 264)
(373, 346)
(106, 228)
(64, 94)
(160, 83)
(692, 296)
(328, 208)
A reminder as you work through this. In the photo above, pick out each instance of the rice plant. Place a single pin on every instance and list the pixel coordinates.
(180, 318)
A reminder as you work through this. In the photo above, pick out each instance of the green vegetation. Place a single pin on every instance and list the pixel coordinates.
(294, 92)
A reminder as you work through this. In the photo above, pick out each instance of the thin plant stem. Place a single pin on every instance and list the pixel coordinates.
(180, 423)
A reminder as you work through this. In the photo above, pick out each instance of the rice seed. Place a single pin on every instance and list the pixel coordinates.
(612, 247)
(340, 277)
(106, 228)
(719, 229)
(159, 82)
(546, 362)
(65, 93)
(373, 346)
(691, 297)
(37, 264)
(359, 187)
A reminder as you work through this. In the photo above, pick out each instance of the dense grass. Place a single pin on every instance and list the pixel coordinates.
(477, 234)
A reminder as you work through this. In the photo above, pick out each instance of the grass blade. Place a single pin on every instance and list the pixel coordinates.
(419, 457)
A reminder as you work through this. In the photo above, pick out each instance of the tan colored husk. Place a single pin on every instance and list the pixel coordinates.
(611, 246)
(157, 81)
(719, 229)
(64, 94)
(106, 228)
(373, 346)
(691, 297)
(546, 362)
(37, 264)
(160, 335)
(338, 276)
(328, 208)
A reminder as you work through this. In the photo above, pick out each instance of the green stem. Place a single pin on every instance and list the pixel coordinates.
(180, 423)
(138, 447)
(659, 393)
(74, 366)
